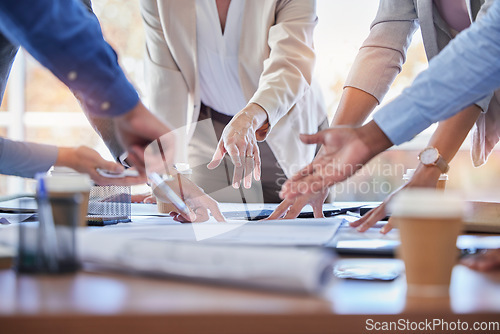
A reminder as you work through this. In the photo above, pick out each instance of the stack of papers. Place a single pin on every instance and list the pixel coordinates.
(257, 254)
(283, 255)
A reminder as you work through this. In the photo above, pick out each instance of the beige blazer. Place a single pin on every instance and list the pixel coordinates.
(276, 65)
(383, 53)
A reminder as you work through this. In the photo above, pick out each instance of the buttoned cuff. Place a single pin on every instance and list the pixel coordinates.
(118, 99)
(400, 122)
(267, 104)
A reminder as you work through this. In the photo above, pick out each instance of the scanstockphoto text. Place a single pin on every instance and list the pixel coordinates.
(431, 325)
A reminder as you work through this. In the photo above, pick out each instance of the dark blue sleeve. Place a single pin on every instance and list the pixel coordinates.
(64, 37)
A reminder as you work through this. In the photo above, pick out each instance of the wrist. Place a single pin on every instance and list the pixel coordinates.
(373, 137)
(426, 176)
(256, 115)
(65, 157)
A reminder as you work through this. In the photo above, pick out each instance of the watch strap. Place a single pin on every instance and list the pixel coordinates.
(442, 165)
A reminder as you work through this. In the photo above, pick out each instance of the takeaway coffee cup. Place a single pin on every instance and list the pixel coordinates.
(167, 207)
(62, 207)
(441, 182)
(66, 183)
(429, 223)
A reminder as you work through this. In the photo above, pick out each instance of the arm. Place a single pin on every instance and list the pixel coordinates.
(354, 107)
(8, 52)
(88, 65)
(286, 75)
(287, 72)
(378, 62)
(67, 39)
(25, 159)
(464, 72)
(428, 176)
(438, 93)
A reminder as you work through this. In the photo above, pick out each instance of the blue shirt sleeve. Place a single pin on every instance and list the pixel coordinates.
(467, 70)
(25, 159)
(64, 37)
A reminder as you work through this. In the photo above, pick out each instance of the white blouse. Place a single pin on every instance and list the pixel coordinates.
(220, 87)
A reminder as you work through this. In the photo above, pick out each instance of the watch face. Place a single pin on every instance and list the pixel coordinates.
(429, 156)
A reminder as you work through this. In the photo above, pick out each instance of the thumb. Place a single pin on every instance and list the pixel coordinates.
(316, 138)
(112, 166)
(217, 157)
(192, 216)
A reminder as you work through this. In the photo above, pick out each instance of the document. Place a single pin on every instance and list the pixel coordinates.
(293, 232)
(305, 270)
(257, 254)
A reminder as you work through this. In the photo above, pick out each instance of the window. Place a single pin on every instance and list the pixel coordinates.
(53, 115)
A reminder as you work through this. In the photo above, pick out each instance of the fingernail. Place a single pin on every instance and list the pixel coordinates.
(236, 185)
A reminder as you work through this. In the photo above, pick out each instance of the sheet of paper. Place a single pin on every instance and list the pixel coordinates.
(295, 232)
(277, 268)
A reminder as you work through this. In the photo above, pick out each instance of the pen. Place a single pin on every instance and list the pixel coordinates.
(46, 228)
(167, 192)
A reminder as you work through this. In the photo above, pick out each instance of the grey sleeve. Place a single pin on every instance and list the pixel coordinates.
(8, 53)
(381, 57)
(484, 103)
(25, 159)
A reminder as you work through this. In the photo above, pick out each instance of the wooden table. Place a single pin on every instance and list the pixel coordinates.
(92, 303)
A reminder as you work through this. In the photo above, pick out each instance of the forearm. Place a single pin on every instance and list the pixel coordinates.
(288, 71)
(447, 138)
(464, 72)
(451, 133)
(374, 138)
(25, 159)
(66, 157)
(68, 41)
(354, 107)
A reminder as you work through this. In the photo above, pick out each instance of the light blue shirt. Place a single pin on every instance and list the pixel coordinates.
(467, 70)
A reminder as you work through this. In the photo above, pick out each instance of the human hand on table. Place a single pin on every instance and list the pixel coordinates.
(344, 151)
(196, 200)
(239, 140)
(424, 177)
(83, 159)
(291, 208)
(484, 261)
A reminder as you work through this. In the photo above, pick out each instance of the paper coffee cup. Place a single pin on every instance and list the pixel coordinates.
(67, 185)
(429, 223)
(441, 184)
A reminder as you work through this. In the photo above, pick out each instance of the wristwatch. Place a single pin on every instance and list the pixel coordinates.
(430, 157)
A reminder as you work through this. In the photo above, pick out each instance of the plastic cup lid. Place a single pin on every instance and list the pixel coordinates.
(68, 182)
(427, 203)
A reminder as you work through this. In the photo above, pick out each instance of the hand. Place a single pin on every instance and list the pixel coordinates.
(290, 208)
(86, 160)
(484, 261)
(239, 140)
(424, 177)
(137, 129)
(344, 151)
(195, 198)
